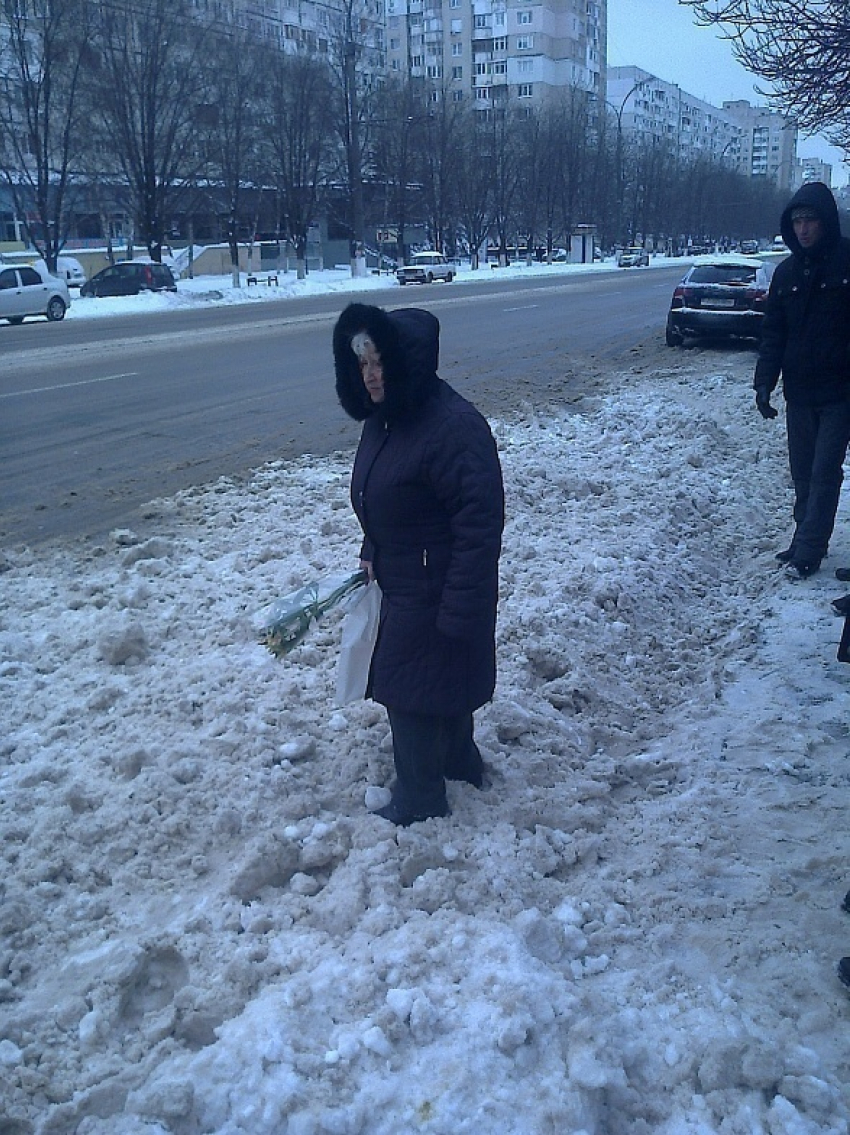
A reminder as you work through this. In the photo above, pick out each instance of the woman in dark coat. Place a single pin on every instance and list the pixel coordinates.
(427, 490)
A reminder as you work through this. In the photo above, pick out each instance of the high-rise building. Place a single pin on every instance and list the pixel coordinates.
(755, 141)
(478, 49)
(811, 169)
(489, 50)
(651, 108)
(768, 142)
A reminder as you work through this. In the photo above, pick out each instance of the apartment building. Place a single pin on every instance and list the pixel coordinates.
(753, 140)
(811, 169)
(651, 108)
(322, 27)
(488, 50)
(768, 142)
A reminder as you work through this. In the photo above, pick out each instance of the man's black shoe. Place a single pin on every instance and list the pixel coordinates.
(846, 903)
(841, 606)
(801, 570)
(786, 555)
(404, 817)
(843, 574)
(844, 972)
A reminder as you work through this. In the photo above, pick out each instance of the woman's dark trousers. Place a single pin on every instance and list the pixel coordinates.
(427, 750)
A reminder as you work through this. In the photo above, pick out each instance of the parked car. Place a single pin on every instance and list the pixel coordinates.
(425, 268)
(24, 292)
(720, 295)
(750, 247)
(634, 257)
(129, 277)
(68, 268)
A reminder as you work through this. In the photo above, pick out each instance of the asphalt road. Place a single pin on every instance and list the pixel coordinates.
(98, 417)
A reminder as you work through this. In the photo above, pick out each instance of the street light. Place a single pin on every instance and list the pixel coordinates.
(619, 151)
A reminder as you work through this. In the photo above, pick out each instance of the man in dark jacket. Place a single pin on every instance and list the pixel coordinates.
(806, 338)
(427, 490)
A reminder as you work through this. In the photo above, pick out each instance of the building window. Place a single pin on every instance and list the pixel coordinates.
(500, 68)
(525, 90)
(481, 21)
(524, 17)
(482, 93)
(457, 72)
(499, 19)
(457, 96)
(525, 65)
(480, 68)
(416, 61)
(524, 42)
(457, 27)
(435, 72)
(454, 3)
(500, 43)
(457, 49)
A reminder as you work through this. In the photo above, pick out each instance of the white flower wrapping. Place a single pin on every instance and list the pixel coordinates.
(286, 622)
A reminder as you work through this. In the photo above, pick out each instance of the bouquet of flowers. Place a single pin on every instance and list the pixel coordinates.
(286, 622)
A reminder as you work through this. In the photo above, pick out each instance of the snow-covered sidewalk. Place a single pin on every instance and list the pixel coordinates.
(633, 930)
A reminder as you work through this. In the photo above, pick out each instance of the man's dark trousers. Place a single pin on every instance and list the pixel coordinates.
(818, 437)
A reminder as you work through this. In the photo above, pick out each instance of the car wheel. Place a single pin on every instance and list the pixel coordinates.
(449, 277)
(672, 337)
(429, 279)
(16, 319)
(402, 283)
(55, 309)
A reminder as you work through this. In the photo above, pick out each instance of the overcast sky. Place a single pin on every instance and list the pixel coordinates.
(662, 37)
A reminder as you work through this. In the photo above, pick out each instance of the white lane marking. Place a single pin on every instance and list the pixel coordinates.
(523, 307)
(68, 385)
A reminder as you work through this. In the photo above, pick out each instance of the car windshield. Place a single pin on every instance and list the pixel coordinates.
(722, 274)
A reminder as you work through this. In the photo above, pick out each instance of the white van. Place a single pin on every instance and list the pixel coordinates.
(68, 269)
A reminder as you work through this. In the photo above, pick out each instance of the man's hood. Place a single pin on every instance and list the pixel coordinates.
(408, 341)
(817, 196)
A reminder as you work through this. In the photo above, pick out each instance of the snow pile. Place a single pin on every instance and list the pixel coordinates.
(633, 928)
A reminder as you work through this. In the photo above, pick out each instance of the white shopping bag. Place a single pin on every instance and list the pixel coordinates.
(359, 632)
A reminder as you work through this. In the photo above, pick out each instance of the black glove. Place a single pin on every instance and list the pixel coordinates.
(763, 403)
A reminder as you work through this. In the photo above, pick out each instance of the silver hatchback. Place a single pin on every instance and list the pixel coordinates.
(24, 292)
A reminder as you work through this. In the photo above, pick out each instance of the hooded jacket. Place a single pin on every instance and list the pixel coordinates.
(806, 328)
(427, 489)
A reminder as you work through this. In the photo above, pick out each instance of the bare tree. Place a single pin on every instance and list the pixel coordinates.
(799, 47)
(356, 62)
(397, 143)
(441, 140)
(300, 141)
(228, 122)
(474, 178)
(43, 48)
(149, 83)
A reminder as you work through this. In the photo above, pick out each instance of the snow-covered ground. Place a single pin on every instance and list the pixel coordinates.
(219, 290)
(632, 930)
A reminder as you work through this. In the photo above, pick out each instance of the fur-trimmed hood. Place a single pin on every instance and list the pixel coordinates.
(818, 197)
(408, 341)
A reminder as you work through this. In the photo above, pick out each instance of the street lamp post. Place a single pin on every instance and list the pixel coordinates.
(618, 112)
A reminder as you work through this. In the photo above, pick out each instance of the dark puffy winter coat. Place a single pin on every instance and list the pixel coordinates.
(427, 490)
(806, 329)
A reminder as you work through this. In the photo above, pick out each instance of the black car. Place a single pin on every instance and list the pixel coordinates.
(129, 277)
(720, 296)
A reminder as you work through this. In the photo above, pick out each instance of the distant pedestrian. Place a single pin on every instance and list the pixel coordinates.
(806, 339)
